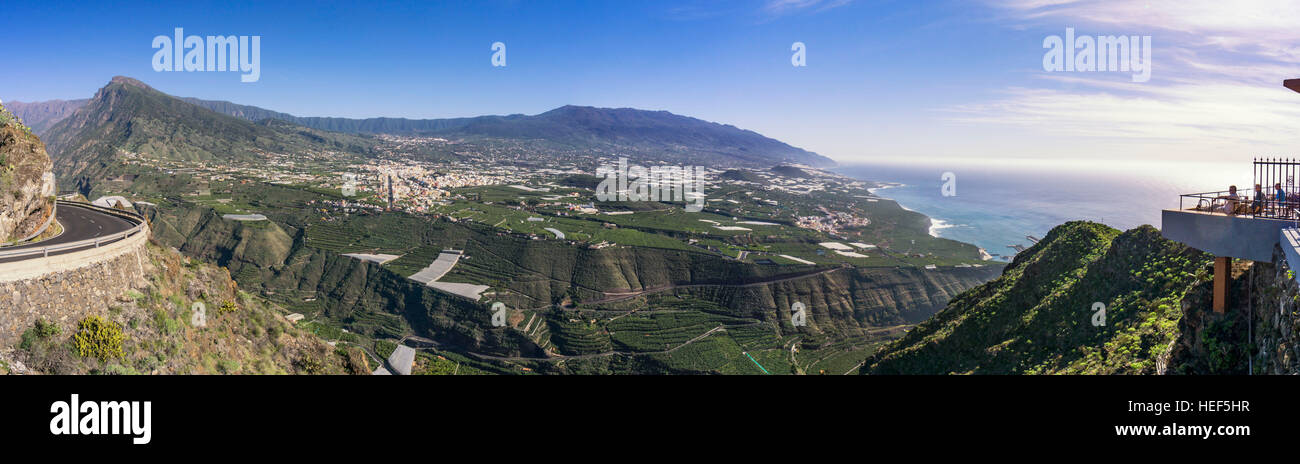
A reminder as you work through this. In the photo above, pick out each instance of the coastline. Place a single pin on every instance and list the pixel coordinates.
(936, 224)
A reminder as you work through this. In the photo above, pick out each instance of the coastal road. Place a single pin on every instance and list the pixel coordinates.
(79, 223)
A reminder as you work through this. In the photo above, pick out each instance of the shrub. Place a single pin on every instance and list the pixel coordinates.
(98, 338)
(228, 366)
(310, 364)
(227, 307)
(41, 330)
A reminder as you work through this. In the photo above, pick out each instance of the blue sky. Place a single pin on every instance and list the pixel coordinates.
(902, 80)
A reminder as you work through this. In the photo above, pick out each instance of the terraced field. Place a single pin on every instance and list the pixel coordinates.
(659, 331)
(392, 233)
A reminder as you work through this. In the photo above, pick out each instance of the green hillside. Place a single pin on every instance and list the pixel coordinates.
(1037, 318)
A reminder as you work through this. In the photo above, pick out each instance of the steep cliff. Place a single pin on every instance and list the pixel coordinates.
(1275, 314)
(26, 181)
(1259, 333)
(537, 276)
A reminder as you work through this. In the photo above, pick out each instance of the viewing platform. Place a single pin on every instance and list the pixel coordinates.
(1243, 237)
(1242, 223)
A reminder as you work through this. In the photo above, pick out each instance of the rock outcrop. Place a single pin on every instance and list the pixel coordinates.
(26, 181)
(1274, 311)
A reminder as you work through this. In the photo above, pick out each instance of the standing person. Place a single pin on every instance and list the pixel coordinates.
(1280, 197)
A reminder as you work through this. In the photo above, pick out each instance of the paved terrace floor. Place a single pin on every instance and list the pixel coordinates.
(440, 267)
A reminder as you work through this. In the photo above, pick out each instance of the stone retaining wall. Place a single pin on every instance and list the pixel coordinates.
(65, 288)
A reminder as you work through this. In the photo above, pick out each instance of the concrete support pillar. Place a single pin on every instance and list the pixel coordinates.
(1222, 270)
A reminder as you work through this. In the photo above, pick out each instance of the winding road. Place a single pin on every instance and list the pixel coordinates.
(79, 223)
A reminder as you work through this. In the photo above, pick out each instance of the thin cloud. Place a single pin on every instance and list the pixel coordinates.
(1262, 30)
(1216, 80)
(783, 7)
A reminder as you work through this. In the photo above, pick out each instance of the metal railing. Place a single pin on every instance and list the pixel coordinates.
(131, 215)
(96, 242)
(1272, 175)
(1247, 204)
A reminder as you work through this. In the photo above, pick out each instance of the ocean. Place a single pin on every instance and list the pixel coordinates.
(1003, 203)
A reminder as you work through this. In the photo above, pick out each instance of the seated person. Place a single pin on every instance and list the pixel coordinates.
(1257, 205)
(1230, 201)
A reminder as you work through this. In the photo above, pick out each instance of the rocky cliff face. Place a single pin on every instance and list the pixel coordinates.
(1272, 305)
(26, 181)
(1258, 334)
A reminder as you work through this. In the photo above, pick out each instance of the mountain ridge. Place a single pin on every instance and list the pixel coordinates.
(659, 134)
(128, 116)
(42, 115)
(568, 124)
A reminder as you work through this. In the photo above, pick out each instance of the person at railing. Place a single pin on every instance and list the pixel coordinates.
(1230, 200)
(1280, 198)
(1257, 205)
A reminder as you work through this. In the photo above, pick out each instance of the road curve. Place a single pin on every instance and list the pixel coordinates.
(79, 223)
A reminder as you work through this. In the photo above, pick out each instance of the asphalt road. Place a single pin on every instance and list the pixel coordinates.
(78, 224)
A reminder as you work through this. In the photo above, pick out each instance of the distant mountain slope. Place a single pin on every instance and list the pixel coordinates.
(584, 126)
(657, 135)
(581, 127)
(42, 115)
(1037, 318)
(397, 126)
(128, 116)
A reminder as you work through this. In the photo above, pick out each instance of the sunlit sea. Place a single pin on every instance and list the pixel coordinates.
(1001, 204)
